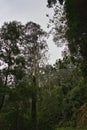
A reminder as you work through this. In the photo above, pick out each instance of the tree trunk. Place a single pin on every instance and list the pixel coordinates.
(34, 108)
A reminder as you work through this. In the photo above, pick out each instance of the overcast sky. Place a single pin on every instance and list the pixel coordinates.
(29, 10)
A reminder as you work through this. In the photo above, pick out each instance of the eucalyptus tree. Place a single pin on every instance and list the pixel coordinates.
(35, 49)
(10, 40)
(12, 72)
(22, 51)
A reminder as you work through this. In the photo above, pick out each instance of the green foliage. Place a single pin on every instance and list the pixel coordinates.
(77, 29)
(70, 128)
(73, 28)
(59, 103)
(53, 2)
(18, 44)
(50, 112)
(73, 80)
(33, 96)
(12, 31)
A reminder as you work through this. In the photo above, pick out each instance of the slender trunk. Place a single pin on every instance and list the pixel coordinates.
(34, 93)
(34, 108)
(3, 97)
(2, 102)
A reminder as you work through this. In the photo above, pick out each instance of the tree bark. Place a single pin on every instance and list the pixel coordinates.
(34, 102)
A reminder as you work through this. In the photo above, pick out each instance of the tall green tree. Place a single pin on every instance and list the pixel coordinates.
(35, 52)
(10, 37)
(22, 50)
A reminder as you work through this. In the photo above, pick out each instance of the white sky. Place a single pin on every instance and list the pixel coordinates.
(29, 10)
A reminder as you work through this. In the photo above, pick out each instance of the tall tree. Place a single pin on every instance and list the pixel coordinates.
(22, 50)
(35, 52)
(10, 37)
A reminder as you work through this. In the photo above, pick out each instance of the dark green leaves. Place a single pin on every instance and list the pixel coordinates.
(11, 32)
(51, 3)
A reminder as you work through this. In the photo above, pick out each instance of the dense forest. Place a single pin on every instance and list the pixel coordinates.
(35, 95)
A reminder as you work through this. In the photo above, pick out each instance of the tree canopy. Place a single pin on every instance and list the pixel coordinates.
(35, 95)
